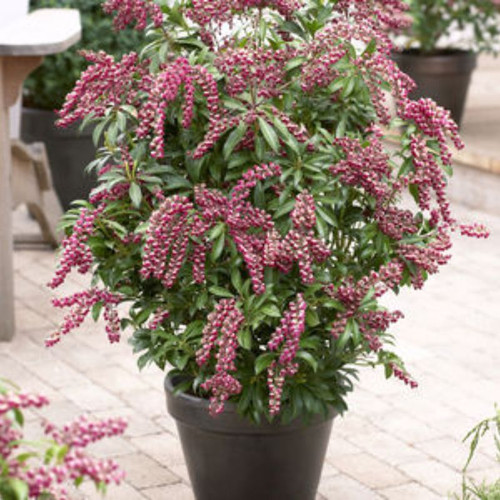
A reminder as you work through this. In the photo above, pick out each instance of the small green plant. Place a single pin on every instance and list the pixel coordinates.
(482, 491)
(48, 85)
(473, 23)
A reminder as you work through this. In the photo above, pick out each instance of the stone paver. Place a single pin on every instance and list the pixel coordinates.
(393, 444)
(175, 491)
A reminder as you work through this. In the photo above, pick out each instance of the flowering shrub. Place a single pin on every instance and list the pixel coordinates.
(473, 24)
(38, 469)
(248, 210)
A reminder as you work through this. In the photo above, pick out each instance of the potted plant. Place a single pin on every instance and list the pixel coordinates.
(251, 217)
(69, 150)
(440, 47)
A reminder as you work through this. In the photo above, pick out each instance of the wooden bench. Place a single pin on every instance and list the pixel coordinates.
(23, 44)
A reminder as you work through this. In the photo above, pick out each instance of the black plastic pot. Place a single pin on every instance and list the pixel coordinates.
(444, 77)
(69, 152)
(229, 458)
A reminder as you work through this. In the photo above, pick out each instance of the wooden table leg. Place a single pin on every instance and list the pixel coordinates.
(13, 71)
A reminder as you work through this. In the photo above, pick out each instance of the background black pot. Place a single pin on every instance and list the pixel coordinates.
(229, 458)
(444, 76)
(69, 152)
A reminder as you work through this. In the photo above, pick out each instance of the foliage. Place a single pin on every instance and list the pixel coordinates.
(47, 86)
(474, 25)
(249, 212)
(471, 489)
(36, 469)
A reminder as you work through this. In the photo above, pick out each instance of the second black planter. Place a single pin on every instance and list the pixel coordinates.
(444, 77)
(69, 152)
(229, 458)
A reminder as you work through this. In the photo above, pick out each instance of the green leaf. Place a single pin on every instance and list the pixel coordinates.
(308, 358)
(216, 231)
(61, 454)
(271, 310)
(18, 488)
(96, 310)
(343, 339)
(18, 416)
(135, 194)
(296, 61)
(341, 127)
(312, 318)
(236, 278)
(120, 230)
(263, 361)
(269, 134)
(218, 247)
(286, 135)
(234, 139)
(220, 292)
(97, 132)
(245, 339)
(284, 209)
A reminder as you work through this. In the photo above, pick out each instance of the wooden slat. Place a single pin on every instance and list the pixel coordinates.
(43, 32)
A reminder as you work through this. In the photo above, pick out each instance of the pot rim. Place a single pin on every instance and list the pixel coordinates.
(457, 61)
(193, 411)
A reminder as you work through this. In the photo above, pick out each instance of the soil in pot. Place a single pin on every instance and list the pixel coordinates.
(231, 458)
(443, 76)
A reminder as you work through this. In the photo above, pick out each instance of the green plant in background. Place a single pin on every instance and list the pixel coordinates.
(475, 22)
(46, 87)
(483, 491)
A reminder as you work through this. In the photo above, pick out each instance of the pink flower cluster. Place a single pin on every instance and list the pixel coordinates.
(103, 85)
(335, 41)
(81, 304)
(133, 11)
(20, 400)
(300, 244)
(474, 230)
(365, 166)
(76, 252)
(401, 374)
(428, 258)
(386, 13)
(256, 68)
(178, 220)
(351, 294)
(82, 431)
(158, 318)
(167, 240)
(74, 464)
(265, 247)
(221, 332)
(165, 87)
(204, 12)
(286, 337)
(395, 222)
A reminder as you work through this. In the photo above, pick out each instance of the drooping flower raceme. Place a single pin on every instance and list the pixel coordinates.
(221, 332)
(285, 339)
